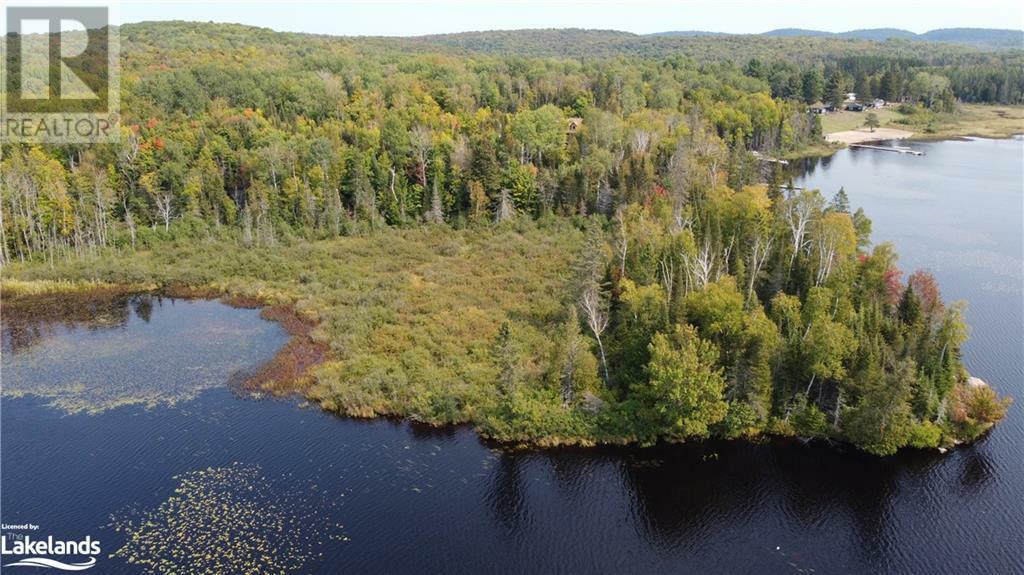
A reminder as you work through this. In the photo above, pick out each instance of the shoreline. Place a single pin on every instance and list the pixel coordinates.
(829, 148)
(283, 374)
(862, 136)
(286, 374)
(987, 121)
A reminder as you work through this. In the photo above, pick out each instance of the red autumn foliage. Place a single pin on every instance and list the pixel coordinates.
(926, 288)
(893, 286)
(977, 405)
(286, 372)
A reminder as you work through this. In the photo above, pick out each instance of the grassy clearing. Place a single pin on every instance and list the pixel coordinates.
(844, 121)
(980, 120)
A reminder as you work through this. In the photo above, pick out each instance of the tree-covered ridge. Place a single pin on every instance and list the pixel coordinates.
(678, 295)
(978, 37)
(800, 46)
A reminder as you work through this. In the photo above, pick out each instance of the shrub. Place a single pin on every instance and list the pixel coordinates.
(925, 435)
(740, 421)
(976, 408)
(810, 421)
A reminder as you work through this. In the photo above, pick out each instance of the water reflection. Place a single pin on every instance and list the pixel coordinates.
(144, 307)
(506, 495)
(107, 350)
(28, 320)
(687, 492)
(421, 499)
(977, 471)
(416, 499)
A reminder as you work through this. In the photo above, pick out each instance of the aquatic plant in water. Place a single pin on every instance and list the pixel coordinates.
(100, 353)
(229, 519)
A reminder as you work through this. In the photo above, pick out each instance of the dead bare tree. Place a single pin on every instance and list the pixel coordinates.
(264, 227)
(436, 213)
(594, 303)
(680, 177)
(826, 257)
(800, 209)
(839, 408)
(702, 265)
(723, 269)
(622, 241)
(641, 141)
(604, 196)
(422, 141)
(759, 253)
(506, 209)
(394, 196)
(827, 239)
(129, 221)
(164, 207)
(667, 273)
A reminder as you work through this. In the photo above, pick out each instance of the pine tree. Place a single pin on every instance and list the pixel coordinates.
(840, 202)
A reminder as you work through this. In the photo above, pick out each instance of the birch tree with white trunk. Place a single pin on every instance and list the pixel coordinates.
(594, 304)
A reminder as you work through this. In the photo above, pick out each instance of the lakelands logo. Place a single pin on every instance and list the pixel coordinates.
(29, 552)
(60, 75)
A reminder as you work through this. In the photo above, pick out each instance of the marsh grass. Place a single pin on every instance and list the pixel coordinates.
(288, 371)
(398, 323)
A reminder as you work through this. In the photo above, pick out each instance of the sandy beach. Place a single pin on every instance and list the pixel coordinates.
(863, 135)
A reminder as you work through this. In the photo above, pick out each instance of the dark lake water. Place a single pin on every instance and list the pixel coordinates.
(161, 471)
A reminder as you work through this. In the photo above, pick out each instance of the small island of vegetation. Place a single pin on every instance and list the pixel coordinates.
(555, 250)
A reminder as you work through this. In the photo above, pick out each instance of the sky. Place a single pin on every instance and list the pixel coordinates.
(419, 17)
(394, 18)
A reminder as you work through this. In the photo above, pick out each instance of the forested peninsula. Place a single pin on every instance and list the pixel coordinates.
(571, 241)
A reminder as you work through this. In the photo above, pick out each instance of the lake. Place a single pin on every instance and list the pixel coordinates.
(174, 466)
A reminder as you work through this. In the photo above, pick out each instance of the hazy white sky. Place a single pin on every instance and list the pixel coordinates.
(411, 18)
(392, 18)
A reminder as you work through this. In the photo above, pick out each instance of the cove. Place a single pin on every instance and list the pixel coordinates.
(385, 496)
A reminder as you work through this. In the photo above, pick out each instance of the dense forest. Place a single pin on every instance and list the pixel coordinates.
(672, 284)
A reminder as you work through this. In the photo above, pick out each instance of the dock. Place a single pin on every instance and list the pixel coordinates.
(889, 149)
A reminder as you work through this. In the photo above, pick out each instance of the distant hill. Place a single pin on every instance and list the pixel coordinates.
(788, 32)
(977, 37)
(795, 45)
(873, 34)
(688, 33)
(880, 34)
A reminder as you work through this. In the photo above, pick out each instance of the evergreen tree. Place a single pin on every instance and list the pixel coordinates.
(683, 396)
